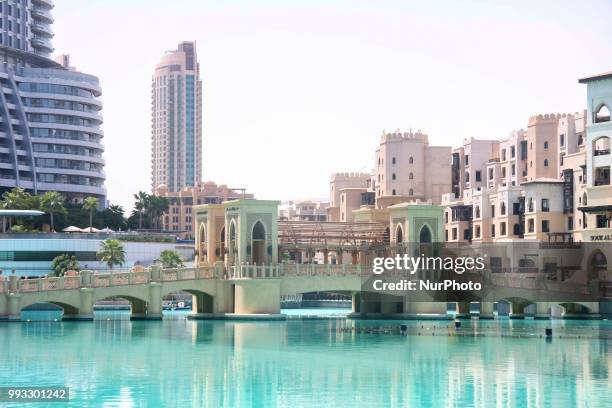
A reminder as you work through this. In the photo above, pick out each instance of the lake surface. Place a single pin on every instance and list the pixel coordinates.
(114, 362)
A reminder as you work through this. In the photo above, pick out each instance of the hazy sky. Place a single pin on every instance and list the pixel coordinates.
(296, 90)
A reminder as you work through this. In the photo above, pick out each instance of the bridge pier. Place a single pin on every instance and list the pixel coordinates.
(85, 310)
(257, 296)
(486, 310)
(13, 306)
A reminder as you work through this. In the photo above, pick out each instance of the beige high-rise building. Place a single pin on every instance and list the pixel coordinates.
(176, 120)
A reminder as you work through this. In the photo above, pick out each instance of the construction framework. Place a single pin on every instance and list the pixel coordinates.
(319, 235)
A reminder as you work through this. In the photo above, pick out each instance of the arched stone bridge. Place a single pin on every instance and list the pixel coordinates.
(249, 291)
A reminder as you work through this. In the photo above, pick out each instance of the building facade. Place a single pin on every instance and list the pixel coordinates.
(596, 204)
(531, 189)
(50, 121)
(176, 120)
(305, 210)
(179, 217)
(407, 168)
(340, 182)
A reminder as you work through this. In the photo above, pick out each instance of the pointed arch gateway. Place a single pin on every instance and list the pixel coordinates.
(258, 243)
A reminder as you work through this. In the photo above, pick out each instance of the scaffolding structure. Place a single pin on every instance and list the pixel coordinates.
(329, 235)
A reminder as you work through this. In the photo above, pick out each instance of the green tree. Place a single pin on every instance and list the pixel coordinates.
(170, 259)
(17, 199)
(113, 218)
(111, 252)
(142, 199)
(53, 203)
(90, 204)
(156, 207)
(63, 263)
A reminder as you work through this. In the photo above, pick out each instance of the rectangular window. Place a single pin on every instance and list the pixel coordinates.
(562, 140)
(492, 211)
(503, 154)
(478, 175)
(478, 231)
(545, 205)
(454, 234)
(493, 230)
(545, 226)
(503, 172)
(490, 174)
(502, 228)
(570, 223)
(446, 235)
(512, 151)
(530, 225)
(467, 159)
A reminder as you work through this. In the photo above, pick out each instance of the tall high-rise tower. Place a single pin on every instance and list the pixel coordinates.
(176, 120)
(50, 121)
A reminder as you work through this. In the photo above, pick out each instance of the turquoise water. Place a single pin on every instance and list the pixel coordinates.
(335, 362)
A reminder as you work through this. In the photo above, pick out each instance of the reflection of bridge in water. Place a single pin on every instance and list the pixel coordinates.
(245, 272)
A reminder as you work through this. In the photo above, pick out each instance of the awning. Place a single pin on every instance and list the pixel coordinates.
(595, 208)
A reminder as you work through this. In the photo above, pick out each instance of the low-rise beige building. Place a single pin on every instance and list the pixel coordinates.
(179, 217)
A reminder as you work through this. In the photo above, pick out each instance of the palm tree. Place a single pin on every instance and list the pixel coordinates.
(111, 252)
(140, 205)
(52, 202)
(16, 199)
(157, 206)
(170, 259)
(90, 204)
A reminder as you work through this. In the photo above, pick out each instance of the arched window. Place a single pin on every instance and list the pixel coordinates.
(393, 160)
(259, 232)
(477, 212)
(425, 235)
(393, 192)
(399, 234)
(580, 140)
(530, 205)
(545, 162)
(602, 114)
(393, 176)
(546, 145)
(503, 208)
(411, 192)
(411, 176)
(410, 160)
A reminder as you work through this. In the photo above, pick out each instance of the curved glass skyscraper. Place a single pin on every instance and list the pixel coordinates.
(50, 135)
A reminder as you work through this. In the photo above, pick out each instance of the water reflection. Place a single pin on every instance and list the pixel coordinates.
(312, 363)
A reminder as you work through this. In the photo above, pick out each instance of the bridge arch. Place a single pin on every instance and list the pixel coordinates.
(202, 302)
(138, 304)
(67, 308)
(516, 305)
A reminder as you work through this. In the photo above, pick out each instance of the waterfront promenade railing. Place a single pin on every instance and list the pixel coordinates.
(89, 279)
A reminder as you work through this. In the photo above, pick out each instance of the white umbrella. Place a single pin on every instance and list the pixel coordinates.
(71, 228)
(88, 229)
(106, 230)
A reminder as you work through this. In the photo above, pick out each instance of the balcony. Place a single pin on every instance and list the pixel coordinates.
(43, 3)
(601, 152)
(41, 13)
(41, 43)
(43, 30)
